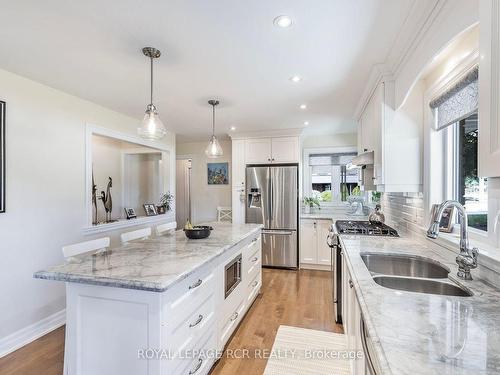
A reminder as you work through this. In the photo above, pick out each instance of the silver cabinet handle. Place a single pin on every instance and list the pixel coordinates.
(254, 240)
(198, 321)
(255, 259)
(235, 316)
(193, 371)
(196, 284)
(351, 284)
(255, 283)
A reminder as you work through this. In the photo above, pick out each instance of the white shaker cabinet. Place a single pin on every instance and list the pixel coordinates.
(272, 150)
(395, 137)
(489, 88)
(258, 151)
(285, 150)
(314, 252)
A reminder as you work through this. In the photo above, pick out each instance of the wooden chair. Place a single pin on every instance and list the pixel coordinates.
(224, 214)
(135, 235)
(95, 246)
(163, 229)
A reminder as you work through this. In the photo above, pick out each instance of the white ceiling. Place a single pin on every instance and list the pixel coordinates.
(219, 48)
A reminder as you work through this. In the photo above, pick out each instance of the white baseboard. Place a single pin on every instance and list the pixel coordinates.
(32, 332)
(317, 267)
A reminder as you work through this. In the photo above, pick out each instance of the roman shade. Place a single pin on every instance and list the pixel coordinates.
(458, 102)
(331, 159)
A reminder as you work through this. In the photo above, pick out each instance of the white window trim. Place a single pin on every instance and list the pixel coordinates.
(306, 174)
(434, 186)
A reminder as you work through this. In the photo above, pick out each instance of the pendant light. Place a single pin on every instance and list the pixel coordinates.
(151, 126)
(213, 150)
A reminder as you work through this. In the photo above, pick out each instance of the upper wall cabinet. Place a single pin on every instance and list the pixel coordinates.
(272, 150)
(395, 137)
(489, 88)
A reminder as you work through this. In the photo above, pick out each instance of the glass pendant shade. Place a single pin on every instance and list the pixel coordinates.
(213, 150)
(151, 126)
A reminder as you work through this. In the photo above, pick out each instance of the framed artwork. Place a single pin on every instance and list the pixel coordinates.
(446, 223)
(130, 212)
(2, 156)
(150, 209)
(218, 173)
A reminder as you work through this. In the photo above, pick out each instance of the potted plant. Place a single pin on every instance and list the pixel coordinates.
(165, 203)
(310, 202)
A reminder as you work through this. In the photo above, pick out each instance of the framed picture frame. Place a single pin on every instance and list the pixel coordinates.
(447, 222)
(130, 212)
(150, 209)
(218, 173)
(2, 156)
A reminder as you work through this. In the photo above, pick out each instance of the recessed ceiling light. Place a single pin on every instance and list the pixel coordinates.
(233, 128)
(306, 123)
(283, 21)
(295, 79)
(303, 106)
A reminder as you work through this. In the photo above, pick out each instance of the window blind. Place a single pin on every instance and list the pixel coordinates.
(330, 159)
(458, 102)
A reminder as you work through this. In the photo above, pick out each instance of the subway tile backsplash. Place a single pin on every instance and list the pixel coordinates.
(404, 211)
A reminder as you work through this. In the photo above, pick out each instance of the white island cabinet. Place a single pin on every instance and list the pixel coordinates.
(159, 306)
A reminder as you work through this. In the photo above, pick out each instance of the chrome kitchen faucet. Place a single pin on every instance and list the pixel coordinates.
(467, 259)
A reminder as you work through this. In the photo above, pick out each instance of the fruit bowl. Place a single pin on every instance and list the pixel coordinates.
(198, 232)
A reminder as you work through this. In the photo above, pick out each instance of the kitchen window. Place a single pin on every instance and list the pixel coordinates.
(328, 178)
(456, 122)
(462, 181)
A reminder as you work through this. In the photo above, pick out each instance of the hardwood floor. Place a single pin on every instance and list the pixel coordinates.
(301, 299)
(42, 357)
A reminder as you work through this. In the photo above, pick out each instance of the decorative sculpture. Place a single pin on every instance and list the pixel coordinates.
(94, 201)
(107, 201)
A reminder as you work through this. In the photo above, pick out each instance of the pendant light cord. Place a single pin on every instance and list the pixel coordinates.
(151, 80)
(213, 120)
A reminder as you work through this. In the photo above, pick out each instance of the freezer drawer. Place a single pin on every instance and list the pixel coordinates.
(279, 248)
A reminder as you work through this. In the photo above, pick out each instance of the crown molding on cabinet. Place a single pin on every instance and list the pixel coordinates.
(419, 19)
(267, 134)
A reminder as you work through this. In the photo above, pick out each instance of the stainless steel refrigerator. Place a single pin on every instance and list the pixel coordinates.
(272, 200)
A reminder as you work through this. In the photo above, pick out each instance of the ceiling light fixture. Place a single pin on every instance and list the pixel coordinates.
(213, 150)
(306, 123)
(303, 106)
(283, 21)
(233, 128)
(151, 126)
(295, 79)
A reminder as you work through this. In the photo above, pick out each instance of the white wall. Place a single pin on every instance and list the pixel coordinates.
(205, 198)
(45, 192)
(330, 140)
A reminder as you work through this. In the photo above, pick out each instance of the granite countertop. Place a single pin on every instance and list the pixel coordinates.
(416, 333)
(155, 264)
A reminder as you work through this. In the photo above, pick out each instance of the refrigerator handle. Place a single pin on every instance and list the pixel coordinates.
(270, 194)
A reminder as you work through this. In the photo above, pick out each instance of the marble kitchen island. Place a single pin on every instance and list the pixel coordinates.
(158, 306)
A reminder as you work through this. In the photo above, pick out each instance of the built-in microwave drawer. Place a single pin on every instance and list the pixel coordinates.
(232, 275)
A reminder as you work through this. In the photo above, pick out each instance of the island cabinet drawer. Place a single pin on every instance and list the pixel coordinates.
(179, 333)
(253, 288)
(253, 259)
(196, 359)
(230, 322)
(186, 296)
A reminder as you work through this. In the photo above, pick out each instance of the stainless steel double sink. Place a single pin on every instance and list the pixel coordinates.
(412, 273)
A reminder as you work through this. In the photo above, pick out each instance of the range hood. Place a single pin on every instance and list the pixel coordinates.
(363, 159)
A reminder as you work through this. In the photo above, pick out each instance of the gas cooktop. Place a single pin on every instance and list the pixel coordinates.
(365, 228)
